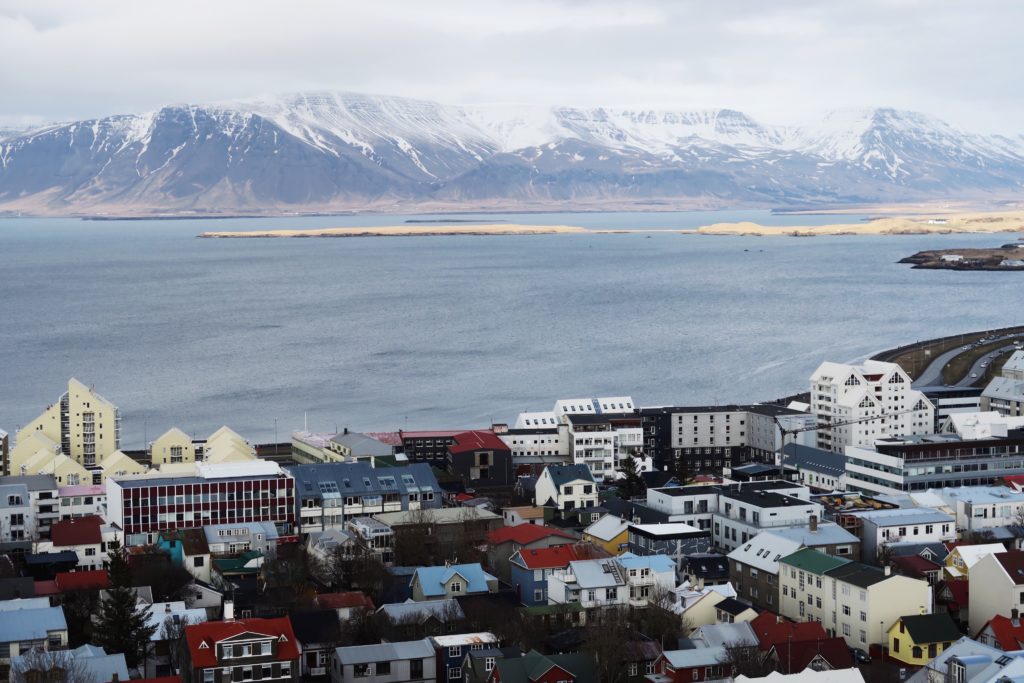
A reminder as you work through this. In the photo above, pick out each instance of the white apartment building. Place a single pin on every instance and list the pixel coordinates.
(82, 500)
(85, 425)
(743, 513)
(874, 399)
(624, 580)
(15, 513)
(903, 525)
(851, 600)
(983, 507)
(1005, 394)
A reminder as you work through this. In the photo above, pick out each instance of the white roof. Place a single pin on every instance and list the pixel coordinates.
(466, 639)
(546, 419)
(971, 426)
(607, 528)
(1015, 363)
(810, 676)
(666, 529)
(764, 550)
(971, 554)
(227, 470)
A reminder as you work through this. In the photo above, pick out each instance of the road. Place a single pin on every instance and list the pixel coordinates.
(932, 375)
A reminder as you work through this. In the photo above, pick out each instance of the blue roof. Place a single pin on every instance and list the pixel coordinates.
(31, 624)
(657, 563)
(433, 579)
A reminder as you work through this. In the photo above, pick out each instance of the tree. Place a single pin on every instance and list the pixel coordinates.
(40, 666)
(659, 620)
(632, 486)
(605, 637)
(172, 633)
(122, 622)
(746, 660)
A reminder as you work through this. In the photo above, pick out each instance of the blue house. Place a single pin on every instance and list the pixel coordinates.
(530, 570)
(450, 581)
(452, 650)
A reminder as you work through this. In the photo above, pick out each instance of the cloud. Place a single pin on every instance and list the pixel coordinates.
(782, 61)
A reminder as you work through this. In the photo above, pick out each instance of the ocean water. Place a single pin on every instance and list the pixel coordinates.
(381, 333)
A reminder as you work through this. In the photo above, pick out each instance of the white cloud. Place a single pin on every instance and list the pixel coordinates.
(783, 60)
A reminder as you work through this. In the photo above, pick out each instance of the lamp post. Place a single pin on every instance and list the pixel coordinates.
(275, 436)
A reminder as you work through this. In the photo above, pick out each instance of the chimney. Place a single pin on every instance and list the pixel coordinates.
(778, 619)
(888, 570)
(346, 430)
(813, 523)
(229, 610)
(167, 608)
(1015, 616)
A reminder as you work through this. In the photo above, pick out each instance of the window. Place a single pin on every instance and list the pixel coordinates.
(863, 616)
(208, 675)
(416, 668)
(455, 651)
(488, 663)
(863, 636)
(538, 595)
(383, 668)
(456, 587)
(198, 561)
(895, 644)
(454, 672)
(634, 668)
(361, 670)
(916, 652)
(846, 611)
(846, 629)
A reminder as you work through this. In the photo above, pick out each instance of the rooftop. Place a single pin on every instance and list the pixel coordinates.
(668, 529)
(813, 561)
(859, 574)
(931, 628)
(1012, 562)
(901, 516)
(479, 439)
(764, 499)
(524, 534)
(202, 638)
(385, 652)
(78, 531)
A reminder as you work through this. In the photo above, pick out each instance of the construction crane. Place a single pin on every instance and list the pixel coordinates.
(824, 426)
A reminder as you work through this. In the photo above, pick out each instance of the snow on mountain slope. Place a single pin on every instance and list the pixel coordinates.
(343, 150)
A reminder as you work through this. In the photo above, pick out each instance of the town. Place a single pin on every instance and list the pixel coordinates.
(870, 529)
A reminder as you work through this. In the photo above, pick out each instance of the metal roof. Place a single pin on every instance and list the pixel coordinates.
(31, 623)
(338, 479)
(385, 652)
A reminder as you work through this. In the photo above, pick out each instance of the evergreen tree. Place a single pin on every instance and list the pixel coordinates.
(632, 485)
(121, 624)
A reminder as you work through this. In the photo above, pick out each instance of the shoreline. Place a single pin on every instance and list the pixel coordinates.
(401, 231)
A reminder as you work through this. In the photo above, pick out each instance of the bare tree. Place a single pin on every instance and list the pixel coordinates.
(747, 660)
(659, 620)
(172, 633)
(605, 635)
(58, 666)
(1018, 516)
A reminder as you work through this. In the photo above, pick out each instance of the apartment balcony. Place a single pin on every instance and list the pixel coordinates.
(318, 671)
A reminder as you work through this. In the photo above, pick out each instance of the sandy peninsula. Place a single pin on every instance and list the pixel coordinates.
(405, 231)
(1006, 221)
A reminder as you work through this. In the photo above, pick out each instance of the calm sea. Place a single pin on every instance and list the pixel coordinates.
(382, 333)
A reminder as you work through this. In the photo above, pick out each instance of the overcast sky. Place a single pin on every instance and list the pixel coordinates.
(780, 60)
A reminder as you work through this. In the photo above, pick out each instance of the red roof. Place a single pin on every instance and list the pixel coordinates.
(524, 534)
(344, 600)
(1015, 481)
(960, 592)
(1008, 636)
(203, 638)
(796, 656)
(79, 531)
(476, 440)
(95, 579)
(389, 438)
(915, 565)
(771, 629)
(46, 588)
(549, 558)
(1013, 564)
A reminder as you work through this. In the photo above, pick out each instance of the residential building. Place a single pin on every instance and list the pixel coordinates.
(319, 634)
(346, 605)
(457, 580)
(90, 538)
(795, 659)
(452, 651)
(1005, 393)
(699, 664)
(979, 508)
(675, 540)
(533, 667)
(733, 611)
(711, 569)
(28, 623)
(440, 532)
(374, 537)
(86, 426)
(816, 468)
(547, 445)
(91, 663)
(916, 463)
(187, 548)
(882, 528)
(173, 447)
(44, 500)
(963, 557)
(866, 402)
(611, 533)
(754, 566)
(919, 638)
(696, 604)
(240, 650)
(717, 635)
(504, 542)
(419, 619)
(996, 587)
(523, 514)
(480, 458)
(744, 513)
(852, 600)
(328, 495)
(82, 500)
(624, 580)
(711, 438)
(529, 570)
(170, 620)
(353, 446)
(602, 440)
(566, 487)
(241, 537)
(949, 401)
(412, 661)
(16, 518)
(1004, 633)
(229, 493)
(428, 446)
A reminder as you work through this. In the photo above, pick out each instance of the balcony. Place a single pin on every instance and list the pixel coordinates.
(318, 671)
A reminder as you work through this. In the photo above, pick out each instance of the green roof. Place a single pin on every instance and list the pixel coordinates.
(533, 665)
(813, 561)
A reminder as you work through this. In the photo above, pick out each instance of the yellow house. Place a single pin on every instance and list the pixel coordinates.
(226, 445)
(920, 638)
(28, 447)
(172, 447)
(610, 533)
(86, 425)
(66, 471)
(963, 557)
(117, 464)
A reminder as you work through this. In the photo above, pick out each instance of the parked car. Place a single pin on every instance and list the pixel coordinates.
(860, 656)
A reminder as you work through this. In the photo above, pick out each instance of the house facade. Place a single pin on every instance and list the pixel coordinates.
(242, 650)
(566, 487)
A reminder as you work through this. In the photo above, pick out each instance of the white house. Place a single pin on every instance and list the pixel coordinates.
(566, 487)
(744, 513)
(624, 580)
(874, 399)
(996, 587)
(904, 525)
(983, 507)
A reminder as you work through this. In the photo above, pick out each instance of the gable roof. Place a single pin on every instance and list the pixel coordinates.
(96, 579)
(432, 580)
(607, 528)
(798, 655)
(914, 565)
(764, 551)
(30, 623)
(1010, 636)
(344, 600)
(555, 557)
(202, 638)
(970, 554)
(771, 629)
(1012, 562)
(532, 665)
(475, 440)
(566, 474)
(385, 652)
(444, 611)
(732, 606)
(77, 531)
(931, 628)
(524, 534)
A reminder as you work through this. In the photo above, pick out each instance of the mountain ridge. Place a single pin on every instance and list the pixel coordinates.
(336, 151)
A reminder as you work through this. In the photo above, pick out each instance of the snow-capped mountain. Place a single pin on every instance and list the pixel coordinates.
(335, 151)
